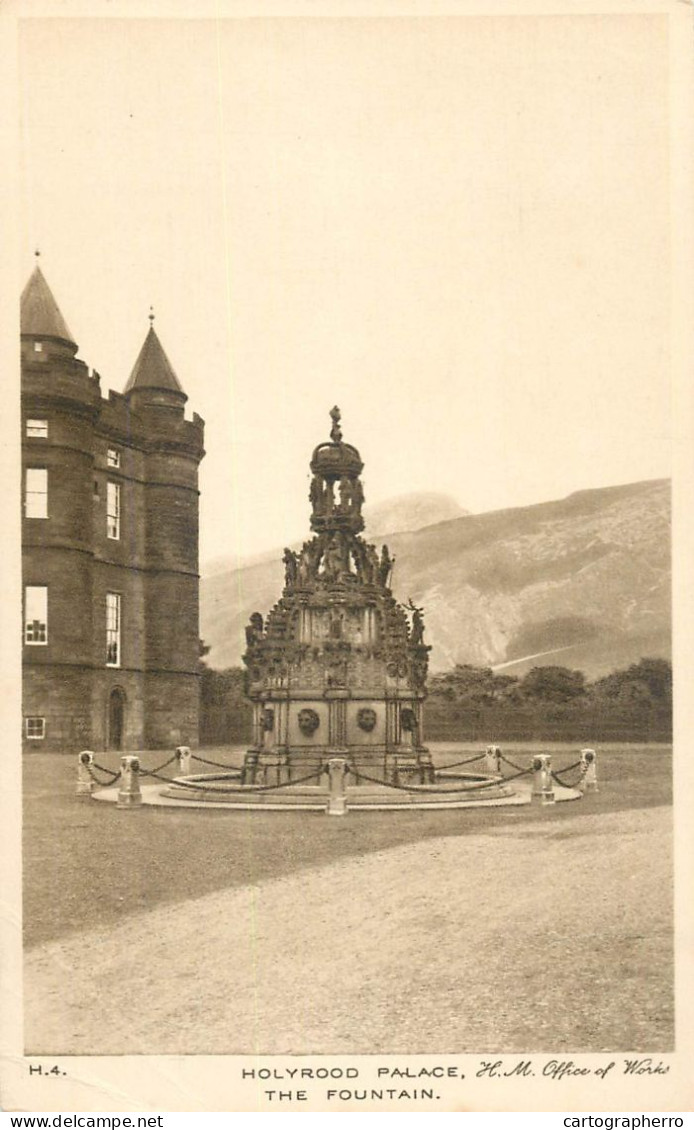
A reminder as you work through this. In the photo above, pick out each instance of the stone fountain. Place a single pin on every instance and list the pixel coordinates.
(338, 667)
(336, 672)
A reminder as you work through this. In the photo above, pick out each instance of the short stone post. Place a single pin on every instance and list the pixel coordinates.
(250, 768)
(542, 791)
(284, 769)
(427, 774)
(492, 759)
(337, 797)
(183, 756)
(85, 781)
(589, 772)
(129, 795)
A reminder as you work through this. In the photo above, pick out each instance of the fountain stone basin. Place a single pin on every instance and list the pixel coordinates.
(228, 789)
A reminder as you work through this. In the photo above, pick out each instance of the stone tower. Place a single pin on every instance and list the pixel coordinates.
(172, 449)
(109, 546)
(338, 667)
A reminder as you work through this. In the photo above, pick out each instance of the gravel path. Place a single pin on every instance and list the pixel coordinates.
(544, 937)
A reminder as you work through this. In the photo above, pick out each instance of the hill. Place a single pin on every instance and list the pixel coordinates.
(583, 581)
(408, 512)
(401, 514)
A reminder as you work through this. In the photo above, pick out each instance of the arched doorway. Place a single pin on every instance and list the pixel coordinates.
(116, 718)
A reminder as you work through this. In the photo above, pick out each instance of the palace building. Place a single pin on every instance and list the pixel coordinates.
(109, 545)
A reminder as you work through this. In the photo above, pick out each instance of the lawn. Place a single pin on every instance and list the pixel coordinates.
(169, 931)
(90, 865)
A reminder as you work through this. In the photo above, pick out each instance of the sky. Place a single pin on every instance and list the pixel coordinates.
(457, 229)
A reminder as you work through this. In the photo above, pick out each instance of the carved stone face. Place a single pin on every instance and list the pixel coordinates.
(366, 719)
(308, 721)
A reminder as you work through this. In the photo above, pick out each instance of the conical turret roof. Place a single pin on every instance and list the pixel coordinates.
(153, 368)
(40, 315)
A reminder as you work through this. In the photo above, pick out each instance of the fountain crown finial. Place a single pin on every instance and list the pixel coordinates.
(336, 494)
(335, 431)
(334, 458)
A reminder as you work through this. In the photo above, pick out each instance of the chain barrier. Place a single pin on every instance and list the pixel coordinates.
(427, 789)
(457, 764)
(359, 774)
(115, 774)
(565, 784)
(215, 764)
(102, 784)
(166, 780)
(570, 768)
(155, 772)
(514, 776)
(511, 763)
(557, 778)
(103, 769)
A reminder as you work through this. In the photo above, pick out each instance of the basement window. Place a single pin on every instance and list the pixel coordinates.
(35, 728)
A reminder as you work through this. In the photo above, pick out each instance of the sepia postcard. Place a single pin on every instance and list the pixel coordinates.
(347, 611)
